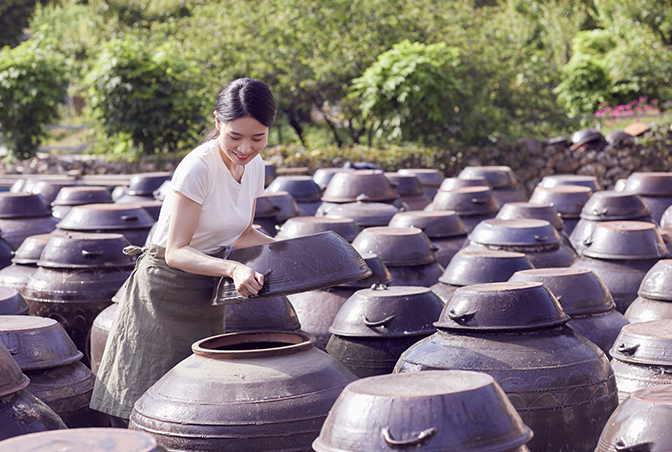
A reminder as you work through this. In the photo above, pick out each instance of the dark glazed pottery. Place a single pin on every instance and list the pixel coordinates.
(273, 209)
(560, 383)
(12, 302)
(451, 183)
(642, 356)
(654, 301)
(410, 190)
(322, 176)
(23, 215)
(568, 200)
(570, 179)
(144, 184)
(423, 411)
(49, 189)
(472, 204)
(275, 313)
(641, 423)
(84, 439)
(296, 265)
(430, 178)
(307, 225)
(502, 179)
(348, 186)
(303, 189)
(261, 391)
(585, 298)
(654, 188)
(363, 212)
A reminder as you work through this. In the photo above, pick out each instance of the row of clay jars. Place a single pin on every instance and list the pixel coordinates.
(83, 439)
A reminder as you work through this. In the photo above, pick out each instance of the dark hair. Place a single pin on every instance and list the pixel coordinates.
(243, 98)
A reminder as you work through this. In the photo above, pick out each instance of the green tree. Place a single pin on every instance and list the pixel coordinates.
(33, 81)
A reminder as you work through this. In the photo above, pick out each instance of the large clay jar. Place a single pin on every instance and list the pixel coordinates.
(472, 204)
(560, 383)
(516, 210)
(79, 195)
(607, 206)
(430, 178)
(77, 276)
(23, 215)
(12, 302)
(537, 239)
(654, 188)
(349, 186)
(375, 326)
(410, 190)
(568, 200)
(654, 301)
(304, 190)
(478, 267)
(24, 262)
(570, 179)
(426, 411)
(451, 183)
(307, 225)
(642, 356)
(406, 252)
(261, 391)
(273, 209)
(363, 212)
(322, 176)
(275, 313)
(316, 309)
(83, 439)
(620, 253)
(585, 298)
(641, 423)
(20, 411)
(444, 228)
(502, 179)
(49, 358)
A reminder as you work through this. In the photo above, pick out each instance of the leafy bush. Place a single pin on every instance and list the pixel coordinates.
(146, 96)
(33, 81)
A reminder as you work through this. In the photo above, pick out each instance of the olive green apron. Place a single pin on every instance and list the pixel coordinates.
(163, 311)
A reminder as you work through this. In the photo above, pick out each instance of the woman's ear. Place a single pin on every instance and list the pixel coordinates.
(216, 122)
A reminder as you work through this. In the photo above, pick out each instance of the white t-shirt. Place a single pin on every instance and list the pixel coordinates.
(226, 205)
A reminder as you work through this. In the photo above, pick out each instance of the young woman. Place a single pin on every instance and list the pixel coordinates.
(166, 304)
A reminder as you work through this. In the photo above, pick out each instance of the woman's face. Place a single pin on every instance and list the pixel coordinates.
(241, 140)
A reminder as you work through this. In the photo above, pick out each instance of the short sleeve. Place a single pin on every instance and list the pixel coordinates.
(191, 179)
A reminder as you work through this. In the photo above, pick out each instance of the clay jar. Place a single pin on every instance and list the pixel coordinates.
(303, 189)
(350, 185)
(79, 195)
(568, 200)
(501, 178)
(77, 276)
(472, 204)
(406, 252)
(607, 206)
(585, 298)
(363, 212)
(316, 309)
(430, 178)
(444, 228)
(275, 313)
(306, 225)
(51, 361)
(570, 179)
(654, 301)
(24, 262)
(84, 439)
(20, 411)
(322, 176)
(423, 411)
(273, 209)
(654, 188)
(620, 253)
(261, 391)
(376, 325)
(641, 423)
(410, 190)
(642, 356)
(12, 302)
(560, 383)
(23, 215)
(537, 239)
(478, 267)
(515, 210)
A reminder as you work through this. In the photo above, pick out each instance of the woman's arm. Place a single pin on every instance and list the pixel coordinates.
(251, 236)
(179, 254)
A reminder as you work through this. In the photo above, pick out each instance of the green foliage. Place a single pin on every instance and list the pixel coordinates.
(414, 91)
(14, 17)
(585, 85)
(33, 81)
(147, 97)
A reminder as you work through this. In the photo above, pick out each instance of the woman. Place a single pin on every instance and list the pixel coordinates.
(166, 305)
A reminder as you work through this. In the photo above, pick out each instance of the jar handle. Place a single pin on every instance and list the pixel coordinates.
(479, 200)
(382, 322)
(627, 350)
(540, 239)
(461, 318)
(641, 447)
(423, 438)
(92, 254)
(130, 218)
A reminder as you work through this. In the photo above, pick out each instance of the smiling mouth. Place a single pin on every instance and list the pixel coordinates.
(240, 156)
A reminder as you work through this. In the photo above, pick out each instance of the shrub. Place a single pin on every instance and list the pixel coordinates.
(33, 81)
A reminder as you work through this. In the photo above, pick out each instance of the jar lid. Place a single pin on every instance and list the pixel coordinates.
(388, 311)
(466, 201)
(49, 189)
(30, 250)
(283, 205)
(649, 184)
(11, 377)
(144, 184)
(435, 224)
(396, 246)
(568, 200)
(348, 186)
(379, 273)
(302, 226)
(12, 302)
(80, 439)
(497, 176)
(23, 205)
(579, 290)
(82, 194)
(625, 240)
(515, 210)
(586, 136)
(431, 177)
(483, 266)
(322, 176)
(657, 283)
(302, 188)
(609, 205)
(85, 250)
(524, 232)
(451, 183)
(106, 217)
(570, 179)
(406, 184)
(364, 213)
(37, 342)
(502, 306)
(647, 343)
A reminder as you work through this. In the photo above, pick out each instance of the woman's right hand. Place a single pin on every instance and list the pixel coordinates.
(247, 281)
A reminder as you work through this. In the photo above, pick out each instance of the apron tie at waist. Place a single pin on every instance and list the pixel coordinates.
(132, 250)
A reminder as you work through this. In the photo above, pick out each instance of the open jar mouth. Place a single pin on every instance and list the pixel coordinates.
(253, 344)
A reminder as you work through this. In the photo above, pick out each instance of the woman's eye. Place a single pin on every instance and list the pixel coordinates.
(234, 138)
(257, 140)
